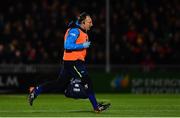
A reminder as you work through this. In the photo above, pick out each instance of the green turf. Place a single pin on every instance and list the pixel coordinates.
(122, 105)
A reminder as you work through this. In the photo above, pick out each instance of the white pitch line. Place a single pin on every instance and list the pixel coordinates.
(60, 111)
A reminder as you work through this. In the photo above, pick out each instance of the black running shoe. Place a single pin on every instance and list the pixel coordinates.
(102, 107)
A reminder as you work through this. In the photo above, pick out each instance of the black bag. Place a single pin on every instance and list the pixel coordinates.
(76, 90)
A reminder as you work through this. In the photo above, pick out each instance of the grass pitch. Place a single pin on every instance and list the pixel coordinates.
(122, 105)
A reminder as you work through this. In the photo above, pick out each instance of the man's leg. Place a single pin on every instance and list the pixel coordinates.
(98, 106)
(35, 91)
(60, 83)
(80, 71)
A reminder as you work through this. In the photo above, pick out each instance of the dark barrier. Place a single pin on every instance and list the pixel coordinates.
(20, 82)
(17, 79)
(138, 82)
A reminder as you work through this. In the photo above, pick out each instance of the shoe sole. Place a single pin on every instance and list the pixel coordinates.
(107, 106)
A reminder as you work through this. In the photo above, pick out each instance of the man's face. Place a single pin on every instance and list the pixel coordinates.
(88, 23)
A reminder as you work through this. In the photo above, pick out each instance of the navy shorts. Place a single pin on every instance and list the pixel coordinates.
(75, 69)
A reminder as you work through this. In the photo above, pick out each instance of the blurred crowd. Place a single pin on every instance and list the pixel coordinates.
(141, 31)
(145, 32)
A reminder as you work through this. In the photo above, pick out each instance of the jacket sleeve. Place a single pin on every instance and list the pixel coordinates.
(70, 42)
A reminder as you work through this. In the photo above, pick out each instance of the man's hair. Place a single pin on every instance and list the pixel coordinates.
(78, 19)
(82, 17)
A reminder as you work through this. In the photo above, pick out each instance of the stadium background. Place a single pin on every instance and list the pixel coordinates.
(135, 43)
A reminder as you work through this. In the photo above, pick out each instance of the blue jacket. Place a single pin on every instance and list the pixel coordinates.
(70, 42)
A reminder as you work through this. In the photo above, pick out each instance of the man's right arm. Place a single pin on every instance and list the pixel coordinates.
(70, 42)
